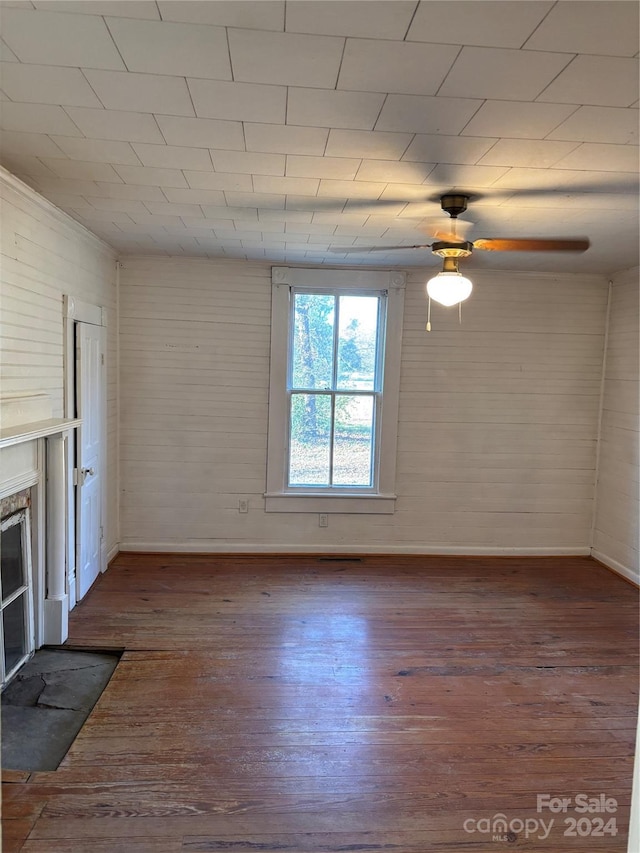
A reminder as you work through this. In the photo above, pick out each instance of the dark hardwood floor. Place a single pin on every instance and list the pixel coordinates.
(385, 704)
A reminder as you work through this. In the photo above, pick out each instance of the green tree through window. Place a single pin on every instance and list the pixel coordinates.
(334, 388)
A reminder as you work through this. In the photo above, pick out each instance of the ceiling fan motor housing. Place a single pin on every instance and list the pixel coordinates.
(454, 205)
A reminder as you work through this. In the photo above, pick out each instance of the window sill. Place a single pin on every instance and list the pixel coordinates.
(310, 502)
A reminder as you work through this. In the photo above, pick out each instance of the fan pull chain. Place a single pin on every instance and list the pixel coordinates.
(429, 316)
(460, 313)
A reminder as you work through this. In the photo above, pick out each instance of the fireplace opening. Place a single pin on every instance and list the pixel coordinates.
(17, 637)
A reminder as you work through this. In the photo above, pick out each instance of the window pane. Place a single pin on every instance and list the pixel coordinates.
(353, 441)
(15, 632)
(309, 452)
(357, 334)
(11, 561)
(313, 320)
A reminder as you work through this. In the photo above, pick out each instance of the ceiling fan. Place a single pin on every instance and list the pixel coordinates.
(450, 245)
(450, 287)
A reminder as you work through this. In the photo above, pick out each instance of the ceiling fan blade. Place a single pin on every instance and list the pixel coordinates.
(377, 248)
(357, 203)
(579, 244)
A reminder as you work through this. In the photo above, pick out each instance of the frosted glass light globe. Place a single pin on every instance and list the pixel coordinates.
(449, 288)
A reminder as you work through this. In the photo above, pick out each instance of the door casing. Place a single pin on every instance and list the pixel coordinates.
(77, 311)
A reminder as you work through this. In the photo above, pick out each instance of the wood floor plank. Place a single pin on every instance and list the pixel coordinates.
(108, 845)
(15, 832)
(286, 703)
(15, 777)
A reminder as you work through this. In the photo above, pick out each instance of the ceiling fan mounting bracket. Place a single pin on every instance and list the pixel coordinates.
(452, 250)
(454, 204)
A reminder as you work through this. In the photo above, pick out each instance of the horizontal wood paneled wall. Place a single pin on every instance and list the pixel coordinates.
(616, 531)
(498, 416)
(45, 254)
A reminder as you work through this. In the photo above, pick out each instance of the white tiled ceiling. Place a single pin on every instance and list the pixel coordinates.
(143, 93)
(284, 130)
(417, 69)
(485, 24)
(183, 50)
(603, 28)
(46, 84)
(45, 37)
(112, 124)
(362, 18)
(607, 81)
(285, 58)
(239, 101)
(502, 73)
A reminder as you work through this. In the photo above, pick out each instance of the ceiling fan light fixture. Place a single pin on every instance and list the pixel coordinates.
(449, 288)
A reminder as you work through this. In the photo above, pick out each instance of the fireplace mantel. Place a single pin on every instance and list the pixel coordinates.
(33, 447)
(39, 429)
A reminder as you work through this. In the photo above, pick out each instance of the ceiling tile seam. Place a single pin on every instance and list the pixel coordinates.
(193, 107)
(344, 47)
(64, 110)
(162, 190)
(153, 116)
(384, 101)
(115, 44)
(50, 136)
(538, 25)
(44, 166)
(567, 153)
(481, 103)
(355, 177)
(591, 52)
(406, 148)
(564, 156)
(449, 69)
(7, 96)
(326, 141)
(133, 148)
(488, 151)
(244, 138)
(226, 38)
(566, 118)
(434, 166)
(413, 14)
(551, 82)
(588, 168)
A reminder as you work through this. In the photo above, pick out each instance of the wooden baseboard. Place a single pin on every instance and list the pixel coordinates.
(613, 565)
(112, 554)
(205, 546)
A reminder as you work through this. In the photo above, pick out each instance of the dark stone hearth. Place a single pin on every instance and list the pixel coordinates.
(45, 706)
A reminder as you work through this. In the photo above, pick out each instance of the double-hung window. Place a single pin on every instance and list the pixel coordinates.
(333, 402)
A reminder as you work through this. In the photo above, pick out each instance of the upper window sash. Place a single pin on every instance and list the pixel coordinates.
(381, 295)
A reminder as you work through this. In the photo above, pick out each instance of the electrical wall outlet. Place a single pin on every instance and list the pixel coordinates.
(323, 520)
(243, 505)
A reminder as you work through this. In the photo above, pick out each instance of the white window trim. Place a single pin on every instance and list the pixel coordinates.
(277, 497)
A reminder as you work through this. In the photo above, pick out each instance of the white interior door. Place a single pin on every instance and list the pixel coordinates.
(90, 394)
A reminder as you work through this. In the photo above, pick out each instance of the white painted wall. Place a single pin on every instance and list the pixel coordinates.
(616, 531)
(498, 417)
(46, 254)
